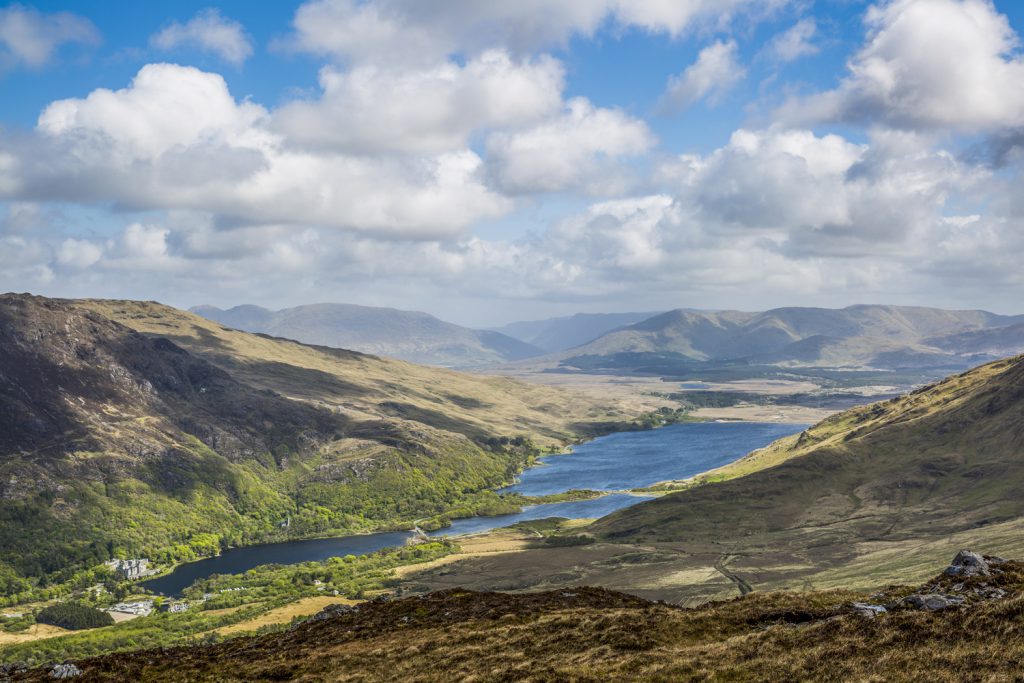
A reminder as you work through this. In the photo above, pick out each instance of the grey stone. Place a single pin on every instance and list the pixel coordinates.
(967, 563)
(66, 670)
(868, 610)
(932, 602)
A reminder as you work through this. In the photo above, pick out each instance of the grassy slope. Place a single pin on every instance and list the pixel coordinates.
(944, 461)
(171, 455)
(870, 496)
(594, 635)
(359, 384)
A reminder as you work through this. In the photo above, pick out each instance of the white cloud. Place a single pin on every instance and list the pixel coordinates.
(578, 149)
(422, 109)
(78, 253)
(715, 72)
(928, 64)
(404, 31)
(795, 42)
(166, 107)
(208, 31)
(177, 139)
(32, 38)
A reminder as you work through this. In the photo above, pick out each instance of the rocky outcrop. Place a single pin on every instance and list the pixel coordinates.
(967, 563)
(933, 601)
(66, 670)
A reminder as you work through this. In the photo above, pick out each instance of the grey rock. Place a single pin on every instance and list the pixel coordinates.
(330, 612)
(932, 602)
(867, 610)
(967, 563)
(66, 670)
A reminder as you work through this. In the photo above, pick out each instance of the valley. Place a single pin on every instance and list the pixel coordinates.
(746, 485)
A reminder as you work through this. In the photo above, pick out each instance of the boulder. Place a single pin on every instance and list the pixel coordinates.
(867, 610)
(967, 563)
(932, 601)
(66, 670)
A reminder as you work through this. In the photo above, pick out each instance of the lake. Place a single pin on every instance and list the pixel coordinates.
(615, 462)
(629, 460)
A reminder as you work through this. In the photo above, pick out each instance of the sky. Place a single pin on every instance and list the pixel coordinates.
(491, 162)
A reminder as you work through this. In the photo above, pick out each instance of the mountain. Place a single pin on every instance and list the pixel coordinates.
(855, 337)
(941, 462)
(135, 429)
(407, 335)
(868, 497)
(591, 634)
(559, 334)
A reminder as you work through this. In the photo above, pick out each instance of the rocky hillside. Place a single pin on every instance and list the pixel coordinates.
(961, 625)
(134, 428)
(857, 336)
(407, 335)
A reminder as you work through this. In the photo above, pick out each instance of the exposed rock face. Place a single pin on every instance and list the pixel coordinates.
(932, 602)
(332, 611)
(967, 563)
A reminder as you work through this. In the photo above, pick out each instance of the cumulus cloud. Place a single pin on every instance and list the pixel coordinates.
(209, 31)
(928, 64)
(32, 38)
(389, 31)
(578, 149)
(422, 109)
(177, 139)
(795, 42)
(166, 107)
(715, 72)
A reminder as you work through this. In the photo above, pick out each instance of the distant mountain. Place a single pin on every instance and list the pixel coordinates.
(407, 335)
(857, 337)
(559, 334)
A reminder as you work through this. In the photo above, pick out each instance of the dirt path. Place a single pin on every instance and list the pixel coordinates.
(741, 584)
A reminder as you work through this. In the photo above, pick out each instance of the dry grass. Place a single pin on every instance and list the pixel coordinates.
(595, 635)
(358, 384)
(33, 632)
(285, 614)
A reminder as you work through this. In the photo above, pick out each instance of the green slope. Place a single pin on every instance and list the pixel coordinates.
(133, 429)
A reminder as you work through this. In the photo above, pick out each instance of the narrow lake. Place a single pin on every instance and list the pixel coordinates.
(615, 462)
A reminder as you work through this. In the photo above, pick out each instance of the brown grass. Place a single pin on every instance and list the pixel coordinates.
(285, 614)
(596, 635)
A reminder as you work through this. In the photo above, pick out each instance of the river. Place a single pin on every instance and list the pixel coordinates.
(616, 462)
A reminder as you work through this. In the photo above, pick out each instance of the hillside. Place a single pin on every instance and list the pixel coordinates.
(559, 334)
(887, 337)
(406, 335)
(590, 634)
(859, 500)
(131, 428)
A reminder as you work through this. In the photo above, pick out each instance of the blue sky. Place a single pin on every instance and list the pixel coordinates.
(493, 162)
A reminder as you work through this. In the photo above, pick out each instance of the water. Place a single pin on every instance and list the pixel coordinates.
(611, 463)
(581, 509)
(238, 560)
(629, 460)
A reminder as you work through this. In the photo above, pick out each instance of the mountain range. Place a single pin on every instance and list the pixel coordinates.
(406, 335)
(864, 336)
(558, 334)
